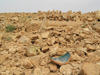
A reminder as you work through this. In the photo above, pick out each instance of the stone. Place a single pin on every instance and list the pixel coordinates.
(88, 41)
(66, 69)
(23, 39)
(90, 69)
(52, 40)
(96, 28)
(92, 57)
(14, 19)
(37, 71)
(45, 49)
(27, 64)
(53, 67)
(53, 50)
(90, 19)
(97, 53)
(98, 15)
(60, 52)
(3, 58)
(35, 60)
(32, 51)
(43, 63)
(45, 71)
(34, 37)
(45, 35)
(90, 47)
(75, 57)
(1, 36)
(12, 50)
(61, 40)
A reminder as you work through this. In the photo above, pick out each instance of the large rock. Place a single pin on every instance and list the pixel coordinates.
(91, 69)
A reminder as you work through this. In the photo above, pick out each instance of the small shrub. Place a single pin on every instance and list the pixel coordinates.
(10, 28)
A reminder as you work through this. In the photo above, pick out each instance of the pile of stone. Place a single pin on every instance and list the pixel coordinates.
(69, 16)
(27, 50)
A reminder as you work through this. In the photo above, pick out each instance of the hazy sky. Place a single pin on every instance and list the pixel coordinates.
(45, 5)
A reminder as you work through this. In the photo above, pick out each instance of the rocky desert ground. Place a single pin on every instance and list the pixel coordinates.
(28, 40)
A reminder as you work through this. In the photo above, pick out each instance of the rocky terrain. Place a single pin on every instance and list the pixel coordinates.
(53, 34)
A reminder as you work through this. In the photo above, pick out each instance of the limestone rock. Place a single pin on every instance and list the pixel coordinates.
(90, 19)
(97, 27)
(90, 47)
(45, 49)
(98, 14)
(91, 69)
(45, 35)
(32, 51)
(45, 71)
(53, 50)
(34, 37)
(43, 63)
(27, 64)
(37, 71)
(3, 58)
(23, 39)
(35, 60)
(66, 69)
(53, 67)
